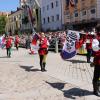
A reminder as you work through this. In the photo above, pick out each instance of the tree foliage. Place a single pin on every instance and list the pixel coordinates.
(2, 24)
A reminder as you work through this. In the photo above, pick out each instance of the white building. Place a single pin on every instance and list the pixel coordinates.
(51, 14)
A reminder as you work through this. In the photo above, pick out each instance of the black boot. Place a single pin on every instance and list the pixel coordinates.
(41, 65)
(95, 89)
(88, 60)
(44, 64)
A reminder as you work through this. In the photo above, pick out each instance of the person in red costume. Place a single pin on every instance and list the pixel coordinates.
(17, 41)
(96, 63)
(43, 50)
(80, 42)
(89, 47)
(8, 45)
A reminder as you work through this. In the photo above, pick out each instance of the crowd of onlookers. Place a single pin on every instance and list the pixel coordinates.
(61, 36)
(26, 39)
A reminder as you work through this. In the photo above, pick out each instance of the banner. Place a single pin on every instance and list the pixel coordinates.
(30, 12)
(34, 45)
(34, 49)
(69, 49)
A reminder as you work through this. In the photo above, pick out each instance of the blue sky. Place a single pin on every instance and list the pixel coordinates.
(8, 5)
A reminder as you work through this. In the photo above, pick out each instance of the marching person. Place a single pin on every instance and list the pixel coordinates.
(17, 42)
(96, 63)
(43, 50)
(89, 48)
(8, 45)
(81, 41)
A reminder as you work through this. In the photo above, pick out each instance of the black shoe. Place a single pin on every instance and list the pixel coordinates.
(9, 56)
(95, 93)
(88, 62)
(44, 70)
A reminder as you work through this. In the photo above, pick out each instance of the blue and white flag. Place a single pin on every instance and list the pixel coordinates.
(69, 49)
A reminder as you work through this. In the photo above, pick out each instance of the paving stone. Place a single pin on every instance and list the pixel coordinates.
(21, 78)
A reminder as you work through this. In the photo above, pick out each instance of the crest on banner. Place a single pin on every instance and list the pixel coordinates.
(69, 49)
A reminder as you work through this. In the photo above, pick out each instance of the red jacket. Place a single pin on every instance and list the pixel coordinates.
(16, 40)
(96, 57)
(8, 43)
(79, 43)
(43, 46)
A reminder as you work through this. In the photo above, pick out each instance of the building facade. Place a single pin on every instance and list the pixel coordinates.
(51, 15)
(35, 9)
(25, 19)
(14, 21)
(81, 14)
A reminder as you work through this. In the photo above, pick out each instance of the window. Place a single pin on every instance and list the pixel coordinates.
(48, 19)
(84, 13)
(14, 18)
(76, 14)
(52, 6)
(43, 9)
(20, 25)
(52, 17)
(43, 20)
(76, 1)
(19, 16)
(57, 16)
(92, 11)
(56, 3)
(47, 7)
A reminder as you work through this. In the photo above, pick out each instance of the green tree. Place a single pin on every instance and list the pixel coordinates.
(2, 24)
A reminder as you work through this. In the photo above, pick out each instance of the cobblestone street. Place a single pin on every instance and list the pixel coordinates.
(21, 78)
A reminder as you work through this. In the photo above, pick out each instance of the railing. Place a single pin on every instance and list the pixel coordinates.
(55, 45)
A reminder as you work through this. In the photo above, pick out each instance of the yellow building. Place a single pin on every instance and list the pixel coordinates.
(81, 14)
(14, 21)
(19, 21)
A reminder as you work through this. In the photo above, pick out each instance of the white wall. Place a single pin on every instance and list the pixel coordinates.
(51, 12)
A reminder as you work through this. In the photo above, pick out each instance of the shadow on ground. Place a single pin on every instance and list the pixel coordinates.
(76, 61)
(14, 49)
(4, 57)
(72, 93)
(29, 68)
